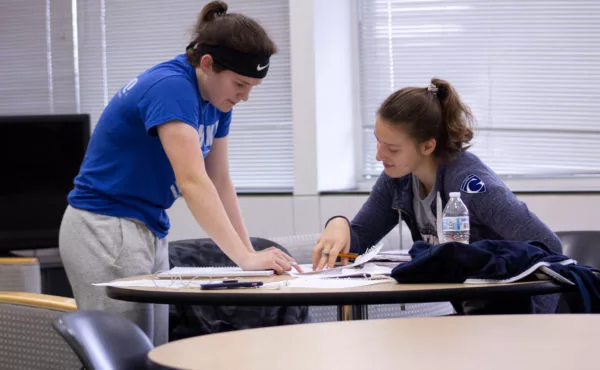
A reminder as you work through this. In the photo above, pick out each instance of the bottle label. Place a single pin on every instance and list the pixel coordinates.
(455, 223)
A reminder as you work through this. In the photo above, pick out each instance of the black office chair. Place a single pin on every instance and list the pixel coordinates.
(582, 246)
(104, 340)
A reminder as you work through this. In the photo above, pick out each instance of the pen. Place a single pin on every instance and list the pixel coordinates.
(231, 284)
(348, 255)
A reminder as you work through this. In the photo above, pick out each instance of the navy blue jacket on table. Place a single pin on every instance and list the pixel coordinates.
(495, 213)
(497, 260)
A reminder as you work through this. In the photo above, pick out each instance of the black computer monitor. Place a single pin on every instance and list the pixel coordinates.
(39, 158)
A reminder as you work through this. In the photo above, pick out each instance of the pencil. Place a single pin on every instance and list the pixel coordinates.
(348, 255)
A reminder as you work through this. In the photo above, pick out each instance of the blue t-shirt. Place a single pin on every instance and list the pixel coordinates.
(125, 171)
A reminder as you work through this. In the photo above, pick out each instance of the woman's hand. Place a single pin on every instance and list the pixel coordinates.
(335, 239)
(269, 259)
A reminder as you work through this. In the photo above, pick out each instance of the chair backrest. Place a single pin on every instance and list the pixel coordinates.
(104, 340)
(583, 246)
(20, 274)
(191, 320)
(27, 339)
(299, 246)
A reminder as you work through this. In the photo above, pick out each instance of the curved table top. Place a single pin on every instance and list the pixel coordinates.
(386, 292)
(457, 342)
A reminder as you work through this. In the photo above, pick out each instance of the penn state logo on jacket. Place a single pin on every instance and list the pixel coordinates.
(472, 184)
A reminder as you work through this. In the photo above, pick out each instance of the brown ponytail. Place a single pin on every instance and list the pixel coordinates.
(236, 31)
(211, 11)
(433, 112)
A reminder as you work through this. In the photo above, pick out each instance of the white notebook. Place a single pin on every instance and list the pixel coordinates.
(211, 272)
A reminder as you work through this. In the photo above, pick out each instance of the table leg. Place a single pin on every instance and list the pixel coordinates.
(353, 312)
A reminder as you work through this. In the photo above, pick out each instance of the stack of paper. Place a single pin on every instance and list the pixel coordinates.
(303, 282)
(393, 256)
(368, 270)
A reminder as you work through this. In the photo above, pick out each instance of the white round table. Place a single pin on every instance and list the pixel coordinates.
(544, 342)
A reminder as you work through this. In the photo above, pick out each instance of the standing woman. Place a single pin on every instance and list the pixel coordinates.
(422, 139)
(162, 135)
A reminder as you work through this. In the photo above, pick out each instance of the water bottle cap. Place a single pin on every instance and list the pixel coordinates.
(455, 194)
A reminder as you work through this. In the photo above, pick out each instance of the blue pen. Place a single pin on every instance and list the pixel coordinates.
(231, 284)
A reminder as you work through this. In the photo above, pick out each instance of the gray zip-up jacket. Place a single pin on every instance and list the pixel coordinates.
(494, 211)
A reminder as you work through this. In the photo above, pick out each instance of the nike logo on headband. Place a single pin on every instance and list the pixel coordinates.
(260, 68)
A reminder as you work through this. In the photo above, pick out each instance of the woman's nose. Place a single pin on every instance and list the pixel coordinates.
(378, 155)
(245, 94)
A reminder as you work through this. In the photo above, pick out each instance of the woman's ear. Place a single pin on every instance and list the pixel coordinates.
(428, 146)
(206, 63)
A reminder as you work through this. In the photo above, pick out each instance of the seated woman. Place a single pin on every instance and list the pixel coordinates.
(422, 139)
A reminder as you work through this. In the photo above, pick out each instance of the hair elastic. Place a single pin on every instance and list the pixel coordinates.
(441, 92)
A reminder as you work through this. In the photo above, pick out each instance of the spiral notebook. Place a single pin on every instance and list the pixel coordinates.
(211, 272)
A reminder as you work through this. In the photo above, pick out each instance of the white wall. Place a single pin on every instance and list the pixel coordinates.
(325, 116)
(323, 95)
(272, 216)
(334, 119)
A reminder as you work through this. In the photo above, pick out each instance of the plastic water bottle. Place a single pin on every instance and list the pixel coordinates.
(455, 221)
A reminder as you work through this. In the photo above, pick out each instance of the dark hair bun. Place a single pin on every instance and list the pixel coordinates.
(213, 10)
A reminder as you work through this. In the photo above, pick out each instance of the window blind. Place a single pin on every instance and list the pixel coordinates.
(529, 70)
(37, 63)
(120, 39)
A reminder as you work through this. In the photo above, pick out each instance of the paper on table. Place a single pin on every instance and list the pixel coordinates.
(302, 282)
(394, 252)
(539, 266)
(369, 269)
(156, 283)
(360, 260)
(393, 256)
(293, 283)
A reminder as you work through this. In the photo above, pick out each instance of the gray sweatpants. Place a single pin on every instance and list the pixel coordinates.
(96, 249)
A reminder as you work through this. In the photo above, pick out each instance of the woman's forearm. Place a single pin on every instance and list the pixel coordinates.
(207, 208)
(229, 199)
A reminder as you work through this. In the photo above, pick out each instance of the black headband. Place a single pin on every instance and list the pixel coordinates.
(246, 64)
